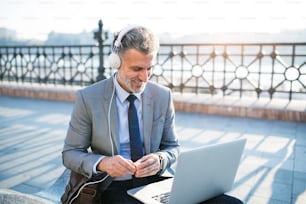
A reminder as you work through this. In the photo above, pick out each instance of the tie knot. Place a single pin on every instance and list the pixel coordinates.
(131, 98)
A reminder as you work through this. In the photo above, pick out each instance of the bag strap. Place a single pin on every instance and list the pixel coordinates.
(87, 188)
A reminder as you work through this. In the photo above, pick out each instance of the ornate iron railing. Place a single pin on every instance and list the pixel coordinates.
(257, 70)
(67, 65)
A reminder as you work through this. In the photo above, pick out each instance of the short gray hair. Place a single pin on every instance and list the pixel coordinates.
(139, 38)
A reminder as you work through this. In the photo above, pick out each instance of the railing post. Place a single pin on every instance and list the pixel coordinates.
(98, 35)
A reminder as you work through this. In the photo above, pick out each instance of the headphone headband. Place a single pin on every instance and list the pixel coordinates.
(114, 59)
(122, 33)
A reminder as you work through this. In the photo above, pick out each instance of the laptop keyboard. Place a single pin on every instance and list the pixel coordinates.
(163, 198)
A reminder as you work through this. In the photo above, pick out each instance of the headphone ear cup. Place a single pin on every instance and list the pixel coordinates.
(114, 60)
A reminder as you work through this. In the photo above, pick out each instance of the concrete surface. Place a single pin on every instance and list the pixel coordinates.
(272, 169)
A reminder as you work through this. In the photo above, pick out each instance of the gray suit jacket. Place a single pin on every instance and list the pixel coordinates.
(88, 137)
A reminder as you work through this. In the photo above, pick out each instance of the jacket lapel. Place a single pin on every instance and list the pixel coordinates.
(108, 96)
(147, 117)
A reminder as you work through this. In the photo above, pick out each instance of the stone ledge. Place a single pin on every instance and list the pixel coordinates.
(47, 92)
(13, 197)
(275, 109)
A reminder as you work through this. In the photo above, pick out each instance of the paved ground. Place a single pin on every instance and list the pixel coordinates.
(272, 170)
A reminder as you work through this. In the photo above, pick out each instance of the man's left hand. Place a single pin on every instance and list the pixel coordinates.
(148, 165)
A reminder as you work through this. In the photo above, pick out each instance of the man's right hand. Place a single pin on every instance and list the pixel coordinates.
(116, 166)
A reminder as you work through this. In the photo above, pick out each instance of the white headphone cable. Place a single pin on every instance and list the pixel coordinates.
(112, 146)
(108, 118)
(86, 184)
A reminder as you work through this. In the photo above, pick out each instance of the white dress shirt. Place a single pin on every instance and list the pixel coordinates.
(123, 125)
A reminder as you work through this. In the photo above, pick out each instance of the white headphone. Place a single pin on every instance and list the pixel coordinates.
(114, 59)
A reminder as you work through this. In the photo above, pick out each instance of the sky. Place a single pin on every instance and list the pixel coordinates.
(34, 19)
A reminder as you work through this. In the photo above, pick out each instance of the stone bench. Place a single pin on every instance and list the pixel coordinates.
(13, 197)
(51, 195)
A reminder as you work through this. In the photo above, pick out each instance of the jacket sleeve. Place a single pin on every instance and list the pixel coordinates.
(76, 153)
(169, 146)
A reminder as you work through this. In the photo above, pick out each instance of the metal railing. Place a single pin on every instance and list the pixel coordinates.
(257, 70)
(66, 65)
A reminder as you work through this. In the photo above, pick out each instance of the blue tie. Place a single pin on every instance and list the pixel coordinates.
(135, 141)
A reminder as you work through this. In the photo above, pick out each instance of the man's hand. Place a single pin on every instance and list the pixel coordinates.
(147, 166)
(116, 166)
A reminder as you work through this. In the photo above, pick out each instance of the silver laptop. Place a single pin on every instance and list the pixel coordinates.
(201, 174)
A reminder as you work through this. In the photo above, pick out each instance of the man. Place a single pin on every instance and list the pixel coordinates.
(101, 121)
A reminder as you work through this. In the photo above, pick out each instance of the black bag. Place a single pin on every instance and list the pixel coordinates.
(81, 190)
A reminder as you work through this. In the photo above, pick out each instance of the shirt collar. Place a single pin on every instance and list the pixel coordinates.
(121, 93)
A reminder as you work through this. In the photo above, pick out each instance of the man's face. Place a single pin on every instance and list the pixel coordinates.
(135, 70)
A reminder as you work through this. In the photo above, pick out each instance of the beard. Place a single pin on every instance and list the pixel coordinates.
(128, 83)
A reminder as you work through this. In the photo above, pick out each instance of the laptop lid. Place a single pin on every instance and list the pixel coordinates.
(201, 173)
